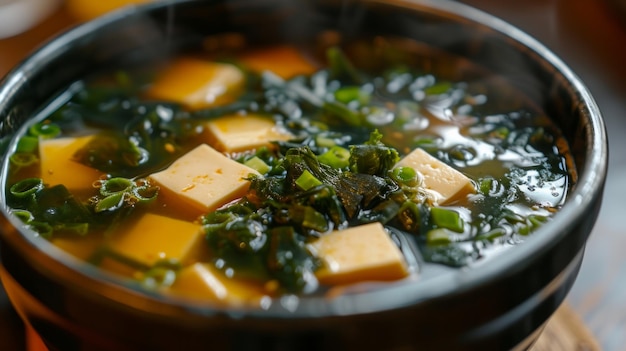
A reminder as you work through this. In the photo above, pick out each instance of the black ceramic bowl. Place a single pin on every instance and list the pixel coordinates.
(502, 304)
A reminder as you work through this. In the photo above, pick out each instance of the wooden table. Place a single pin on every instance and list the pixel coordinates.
(589, 36)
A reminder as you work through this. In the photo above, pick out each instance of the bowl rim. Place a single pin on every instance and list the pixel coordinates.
(590, 182)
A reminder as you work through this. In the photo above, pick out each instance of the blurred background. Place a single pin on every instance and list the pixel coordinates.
(589, 36)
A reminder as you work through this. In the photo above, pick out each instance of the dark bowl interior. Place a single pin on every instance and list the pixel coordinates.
(501, 304)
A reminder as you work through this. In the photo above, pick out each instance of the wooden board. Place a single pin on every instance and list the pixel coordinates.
(566, 332)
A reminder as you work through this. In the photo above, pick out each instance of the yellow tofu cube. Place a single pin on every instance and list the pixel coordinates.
(203, 281)
(153, 238)
(58, 167)
(204, 179)
(235, 133)
(80, 246)
(197, 83)
(363, 253)
(447, 183)
(284, 61)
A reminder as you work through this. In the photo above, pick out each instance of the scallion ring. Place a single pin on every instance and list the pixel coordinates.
(115, 185)
(26, 187)
(45, 130)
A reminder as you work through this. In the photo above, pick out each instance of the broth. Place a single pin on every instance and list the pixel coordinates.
(315, 143)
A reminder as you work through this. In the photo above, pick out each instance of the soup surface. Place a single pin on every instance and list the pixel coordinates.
(241, 174)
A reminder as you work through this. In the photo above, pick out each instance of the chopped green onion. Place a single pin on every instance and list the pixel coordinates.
(530, 224)
(492, 234)
(500, 133)
(485, 185)
(314, 220)
(23, 159)
(115, 185)
(405, 175)
(352, 93)
(110, 203)
(23, 215)
(523, 229)
(26, 187)
(462, 153)
(258, 165)
(338, 109)
(513, 217)
(45, 130)
(537, 220)
(439, 88)
(445, 218)
(307, 181)
(337, 157)
(409, 215)
(438, 236)
(429, 144)
(322, 141)
(27, 144)
(145, 193)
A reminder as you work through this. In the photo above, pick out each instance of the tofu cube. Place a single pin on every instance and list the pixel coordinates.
(234, 133)
(203, 281)
(284, 61)
(447, 183)
(58, 167)
(363, 253)
(80, 246)
(198, 83)
(154, 237)
(203, 179)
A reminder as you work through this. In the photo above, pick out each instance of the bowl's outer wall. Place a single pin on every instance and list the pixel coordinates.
(494, 312)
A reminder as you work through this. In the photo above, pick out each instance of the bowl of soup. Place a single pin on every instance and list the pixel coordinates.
(388, 175)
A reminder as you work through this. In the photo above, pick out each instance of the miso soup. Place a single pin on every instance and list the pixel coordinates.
(241, 174)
